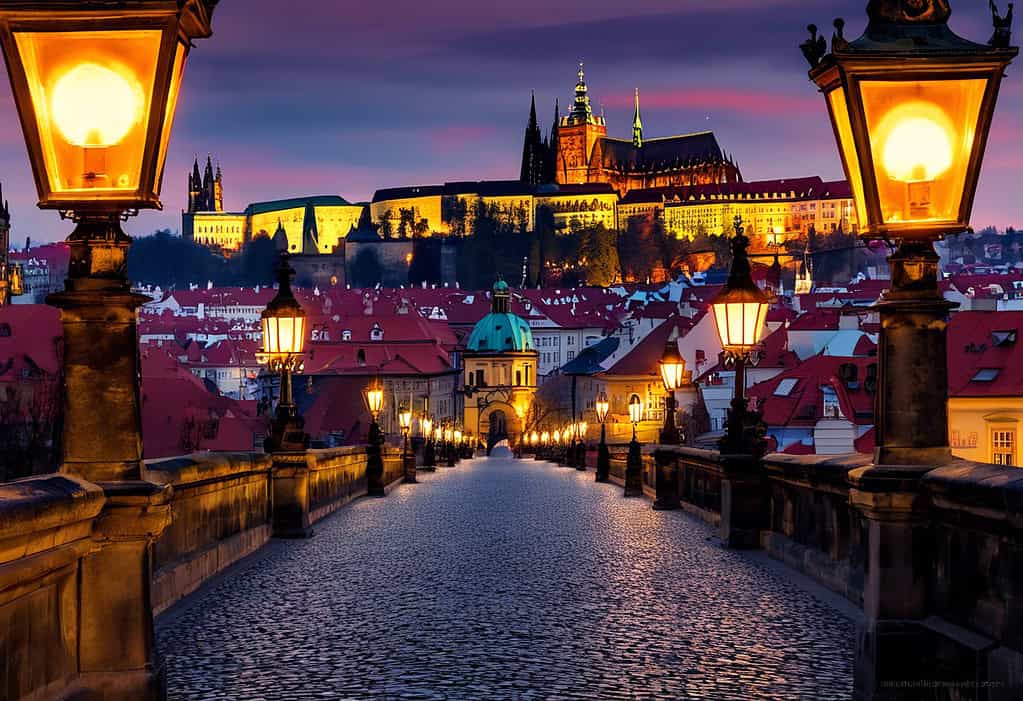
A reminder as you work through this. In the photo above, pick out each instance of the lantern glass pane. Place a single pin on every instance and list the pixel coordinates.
(289, 331)
(180, 53)
(840, 115)
(271, 346)
(922, 136)
(91, 92)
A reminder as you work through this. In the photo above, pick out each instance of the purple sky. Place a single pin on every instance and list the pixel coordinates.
(313, 97)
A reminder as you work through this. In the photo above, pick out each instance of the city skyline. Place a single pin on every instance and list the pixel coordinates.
(399, 94)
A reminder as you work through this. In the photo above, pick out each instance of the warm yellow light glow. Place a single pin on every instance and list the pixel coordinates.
(283, 335)
(375, 398)
(916, 142)
(96, 106)
(602, 406)
(740, 324)
(427, 424)
(635, 409)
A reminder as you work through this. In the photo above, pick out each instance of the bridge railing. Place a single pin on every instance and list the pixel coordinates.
(933, 554)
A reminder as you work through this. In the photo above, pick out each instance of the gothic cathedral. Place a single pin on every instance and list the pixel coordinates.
(579, 151)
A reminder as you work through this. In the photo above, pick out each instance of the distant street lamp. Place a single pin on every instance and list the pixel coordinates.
(429, 447)
(408, 460)
(284, 327)
(740, 312)
(602, 406)
(911, 104)
(580, 460)
(634, 463)
(673, 369)
(374, 395)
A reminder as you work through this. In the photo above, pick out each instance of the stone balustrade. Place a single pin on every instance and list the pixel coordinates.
(46, 537)
(57, 533)
(962, 527)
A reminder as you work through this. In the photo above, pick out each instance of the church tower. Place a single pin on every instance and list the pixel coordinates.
(534, 151)
(5, 248)
(218, 191)
(206, 191)
(637, 126)
(195, 189)
(578, 133)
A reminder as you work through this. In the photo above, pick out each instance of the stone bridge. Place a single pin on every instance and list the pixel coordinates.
(504, 578)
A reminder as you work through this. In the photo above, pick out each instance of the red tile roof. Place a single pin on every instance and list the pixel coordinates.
(985, 354)
(803, 403)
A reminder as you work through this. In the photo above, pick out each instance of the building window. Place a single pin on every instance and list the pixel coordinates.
(480, 379)
(1003, 447)
(518, 378)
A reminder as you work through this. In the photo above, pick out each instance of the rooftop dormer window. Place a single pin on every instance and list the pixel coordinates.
(1003, 338)
(376, 333)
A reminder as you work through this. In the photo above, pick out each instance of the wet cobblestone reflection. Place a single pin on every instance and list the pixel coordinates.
(505, 580)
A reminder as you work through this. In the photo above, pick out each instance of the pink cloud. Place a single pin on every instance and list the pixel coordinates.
(729, 99)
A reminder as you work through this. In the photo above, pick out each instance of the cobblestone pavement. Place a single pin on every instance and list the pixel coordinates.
(505, 580)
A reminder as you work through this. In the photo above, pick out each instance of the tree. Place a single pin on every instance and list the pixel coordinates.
(386, 226)
(170, 261)
(598, 254)
(366, 269)
(31, 419)
(256, 264)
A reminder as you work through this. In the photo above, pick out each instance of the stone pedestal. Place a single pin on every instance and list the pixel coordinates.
(744, 504)
(102, 443)
(892, 644)
(667, 481)
(603, 460)
(375, 462)
(634, 471)
(290, 475)
(408, 462)
(117, 658)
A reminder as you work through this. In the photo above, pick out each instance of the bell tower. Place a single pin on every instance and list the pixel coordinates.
(578, 134)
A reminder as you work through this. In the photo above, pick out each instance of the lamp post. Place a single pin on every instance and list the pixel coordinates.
(429, 449)
(408, 460)
(740, 312)
(96, 86)
(911, 104)
(634, 463)
(284, 326)
(673, 368)
(580, 460)
(449, 448)
(374, 396)
(602, 406)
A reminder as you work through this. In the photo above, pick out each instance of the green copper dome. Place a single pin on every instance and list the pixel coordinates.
(500, 331)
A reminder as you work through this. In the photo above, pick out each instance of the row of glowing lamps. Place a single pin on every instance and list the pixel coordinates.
(449, 432)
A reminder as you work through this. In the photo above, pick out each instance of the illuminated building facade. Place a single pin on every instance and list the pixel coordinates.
(772, 210)
(310, 225)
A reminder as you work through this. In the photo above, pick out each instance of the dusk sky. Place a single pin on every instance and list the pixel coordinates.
(313, 97)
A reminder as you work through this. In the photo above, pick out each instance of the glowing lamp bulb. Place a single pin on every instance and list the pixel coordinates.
(917, 144)
(96, 106)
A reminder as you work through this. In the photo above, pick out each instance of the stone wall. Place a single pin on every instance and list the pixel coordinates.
(61, 544)
(46, 533)
(967, 550)
(220, 509)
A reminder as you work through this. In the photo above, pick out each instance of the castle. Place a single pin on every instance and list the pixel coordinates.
(579, 151)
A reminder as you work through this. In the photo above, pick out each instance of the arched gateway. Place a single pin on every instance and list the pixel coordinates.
(500, 372)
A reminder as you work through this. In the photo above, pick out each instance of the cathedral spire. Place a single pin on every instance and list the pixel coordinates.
(582, 111)
(637, 125)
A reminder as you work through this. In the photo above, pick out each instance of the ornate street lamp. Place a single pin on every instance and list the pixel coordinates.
(96, 84)
(284, 326)
(408, 461)
(634, 462)
(740, 312)
(911, 104)
(374, 396)
(602, 406)
(673, 371)
(429, 447)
